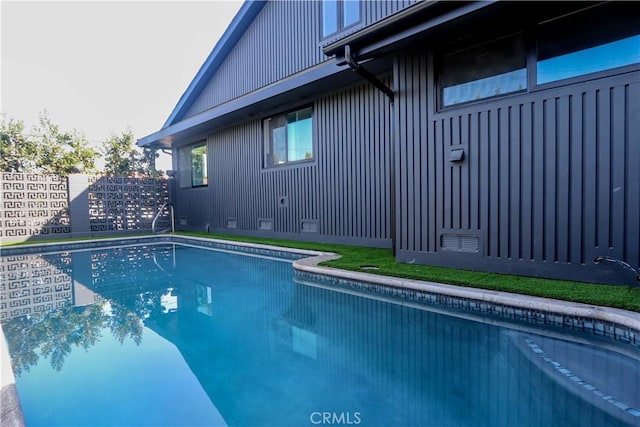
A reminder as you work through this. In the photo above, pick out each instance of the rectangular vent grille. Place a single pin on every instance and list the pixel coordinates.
(309, 226)
(459, 242)
(231, 223)
(265, 224)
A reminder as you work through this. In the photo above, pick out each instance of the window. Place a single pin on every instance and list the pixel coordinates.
(192, 166)
(338, 15)
(597, 47)
(289, 137)
(592, 40)
(491, 69)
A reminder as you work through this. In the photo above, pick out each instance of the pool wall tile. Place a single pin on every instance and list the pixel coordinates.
(538, 317)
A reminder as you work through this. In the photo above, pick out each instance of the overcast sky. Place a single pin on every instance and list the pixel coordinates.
(104, 66)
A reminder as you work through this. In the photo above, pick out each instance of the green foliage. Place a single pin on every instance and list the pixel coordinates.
(19, 153)
(119, 154)
(63, 153)
(147, 165)
(122, 158)
(46, 149)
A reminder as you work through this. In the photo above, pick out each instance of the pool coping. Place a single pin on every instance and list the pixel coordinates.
(629, 319)
(620, 325)
(10, 408)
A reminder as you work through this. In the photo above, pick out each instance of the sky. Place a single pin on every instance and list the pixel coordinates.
(104, 67)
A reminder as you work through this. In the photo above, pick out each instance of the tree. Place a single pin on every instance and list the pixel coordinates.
(147, 165)
(119, 154)
(46, 149)
(62, 153)
(123, 158)
(19, 152)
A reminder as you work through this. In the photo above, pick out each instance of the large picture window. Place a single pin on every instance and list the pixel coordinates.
(288, 138)
(192, 166)
(338, 15)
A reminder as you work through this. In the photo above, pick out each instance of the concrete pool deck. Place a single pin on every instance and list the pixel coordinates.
(11, 411)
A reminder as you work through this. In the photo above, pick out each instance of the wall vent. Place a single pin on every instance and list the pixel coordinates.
(309, 226)
(265, 224)
(460, 242)
(231, 223)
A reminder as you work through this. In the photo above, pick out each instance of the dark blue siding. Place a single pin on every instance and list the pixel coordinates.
(550, 179)
(345, 191)
(283, 40)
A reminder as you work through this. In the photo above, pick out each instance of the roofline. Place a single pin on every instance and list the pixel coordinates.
(192, 126)
(236, 29)
(298, 89)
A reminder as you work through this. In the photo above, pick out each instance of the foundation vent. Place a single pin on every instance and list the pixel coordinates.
(457, 242)
(265, 224)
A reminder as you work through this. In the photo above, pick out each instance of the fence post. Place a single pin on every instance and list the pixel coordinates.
(79, 205)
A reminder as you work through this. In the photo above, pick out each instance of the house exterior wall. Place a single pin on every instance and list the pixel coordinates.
(343, 195)
(284, 39)
(549, 179)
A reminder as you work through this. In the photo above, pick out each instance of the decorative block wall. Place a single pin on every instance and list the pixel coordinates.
(120, 203)
(33, 204)
(38, 206)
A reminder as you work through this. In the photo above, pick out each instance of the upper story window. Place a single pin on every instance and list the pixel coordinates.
(192, 166)
(338, 15)
(288, 138)
(574, 46)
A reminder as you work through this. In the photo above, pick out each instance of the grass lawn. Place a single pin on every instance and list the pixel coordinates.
(355, 258)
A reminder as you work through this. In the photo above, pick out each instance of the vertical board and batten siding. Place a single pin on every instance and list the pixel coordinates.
(346, 189)
(284, 39)
(548, 178)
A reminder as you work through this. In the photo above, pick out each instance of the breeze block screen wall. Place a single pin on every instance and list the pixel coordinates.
(37, 206)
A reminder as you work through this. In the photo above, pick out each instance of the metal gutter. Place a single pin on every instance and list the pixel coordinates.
(375, 28)
(409, 22)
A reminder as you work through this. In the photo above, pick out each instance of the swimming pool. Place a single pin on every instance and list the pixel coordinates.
(177, 334)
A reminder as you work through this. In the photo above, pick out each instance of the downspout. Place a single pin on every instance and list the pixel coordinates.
(352, 62)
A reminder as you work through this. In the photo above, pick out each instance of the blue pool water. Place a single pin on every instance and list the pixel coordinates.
(182, 336)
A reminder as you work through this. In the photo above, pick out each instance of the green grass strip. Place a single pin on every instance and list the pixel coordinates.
(354, 258)
(382, 262)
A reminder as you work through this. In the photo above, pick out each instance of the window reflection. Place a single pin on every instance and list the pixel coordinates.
(491, 69)
(591, 60)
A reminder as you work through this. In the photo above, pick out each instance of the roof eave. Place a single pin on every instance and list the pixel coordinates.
(245, 16)
(298, 88)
